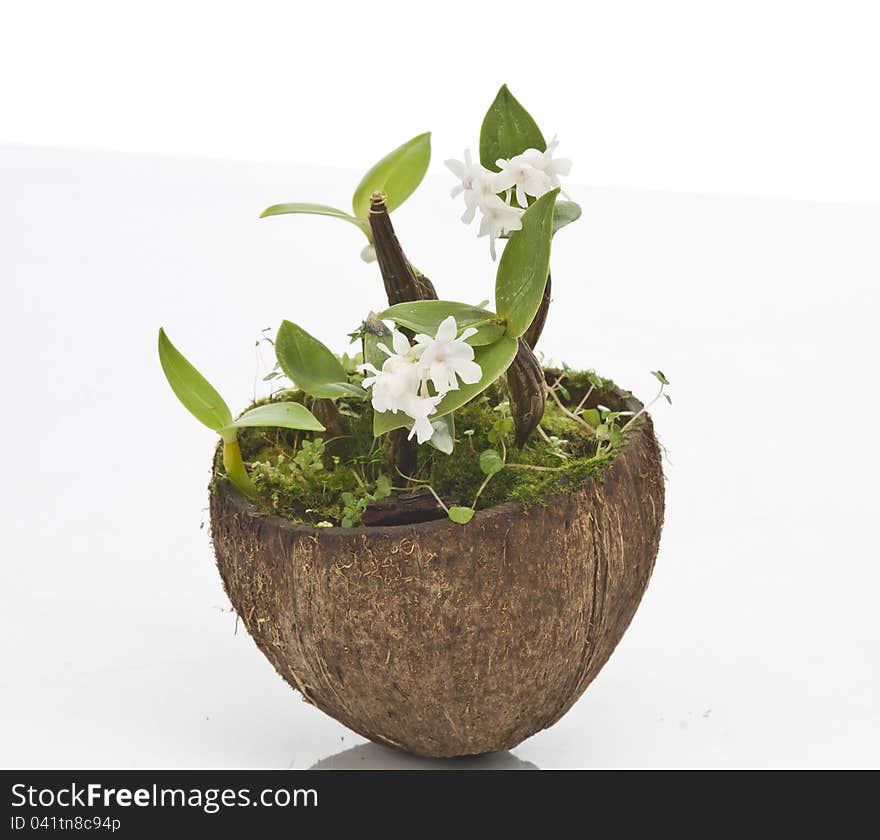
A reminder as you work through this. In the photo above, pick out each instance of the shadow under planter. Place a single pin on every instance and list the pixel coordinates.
(442, 639)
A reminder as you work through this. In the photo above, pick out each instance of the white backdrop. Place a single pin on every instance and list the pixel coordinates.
(756, 643)
(754, 97)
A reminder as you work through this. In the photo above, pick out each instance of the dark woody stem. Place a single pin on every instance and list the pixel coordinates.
(533, 333)
(525, 378)
(527, 390)
(402, 282)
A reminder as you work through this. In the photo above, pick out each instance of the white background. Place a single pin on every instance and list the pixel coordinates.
(756, 643)
(753, 97)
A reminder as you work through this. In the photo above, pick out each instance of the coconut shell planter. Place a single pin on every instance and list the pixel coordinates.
(436, 540)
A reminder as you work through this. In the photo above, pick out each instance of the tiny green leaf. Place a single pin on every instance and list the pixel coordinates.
(316, 210)
(564, 213)
(310, 365)
(522, 270)
(668, 398)
(397, 175)
(507, 130)
(287, 415)
(494, 359)
(658, 374)
(195, 392)
(383, 487)
(424, 316)
(591, 416)
(491, 462)
(461, 515)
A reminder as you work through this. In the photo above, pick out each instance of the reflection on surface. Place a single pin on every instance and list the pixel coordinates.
(375, 757)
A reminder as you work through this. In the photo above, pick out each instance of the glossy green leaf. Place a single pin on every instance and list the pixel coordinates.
(315, 210)
(564, 213)
(397, 175)
(461, 515)
(522, 270)
(311, 366)
(494, 359)
(424, 316)
(507, 130)
(195, 392)
(287, 415)
(491, 462)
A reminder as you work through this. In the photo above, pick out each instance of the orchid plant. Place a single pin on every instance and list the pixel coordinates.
(422, 358)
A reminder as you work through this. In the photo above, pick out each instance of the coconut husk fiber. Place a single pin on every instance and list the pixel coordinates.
(442, 639)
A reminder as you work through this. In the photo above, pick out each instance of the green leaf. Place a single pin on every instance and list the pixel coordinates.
(491, 462)
(397, 175)
(507, 130)
(195, 392)
(310, 365)
(315, 210)
(461, 515)
(287, 415)
(658, 374)
(591, 416)
(522, 270)
(424, 316)
(564, 213)
(383, 487)
(494, 359)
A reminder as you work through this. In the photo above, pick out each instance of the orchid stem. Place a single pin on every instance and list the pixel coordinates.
(235, 469)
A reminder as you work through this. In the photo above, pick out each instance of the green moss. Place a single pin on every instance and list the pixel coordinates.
(324, 478)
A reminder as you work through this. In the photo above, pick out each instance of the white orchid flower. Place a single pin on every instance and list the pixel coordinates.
(477, 184)
(521, 174)
(554, 167)
(399, 378)
(498, 218)
(446, 357)
(545, 163)
(419, 408)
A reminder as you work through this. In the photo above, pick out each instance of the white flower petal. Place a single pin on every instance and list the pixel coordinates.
(447, 329)
(401, 343)
(470, 372)
(456, 167)
(422, 430)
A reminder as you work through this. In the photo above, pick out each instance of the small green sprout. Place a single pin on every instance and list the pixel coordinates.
(397, 174)
(201, 399)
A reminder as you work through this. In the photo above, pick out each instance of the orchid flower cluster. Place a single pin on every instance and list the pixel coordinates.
(431, 356)
(530, 174)
(402, 383)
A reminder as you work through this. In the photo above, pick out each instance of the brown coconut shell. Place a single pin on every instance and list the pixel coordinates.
(443, 639)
